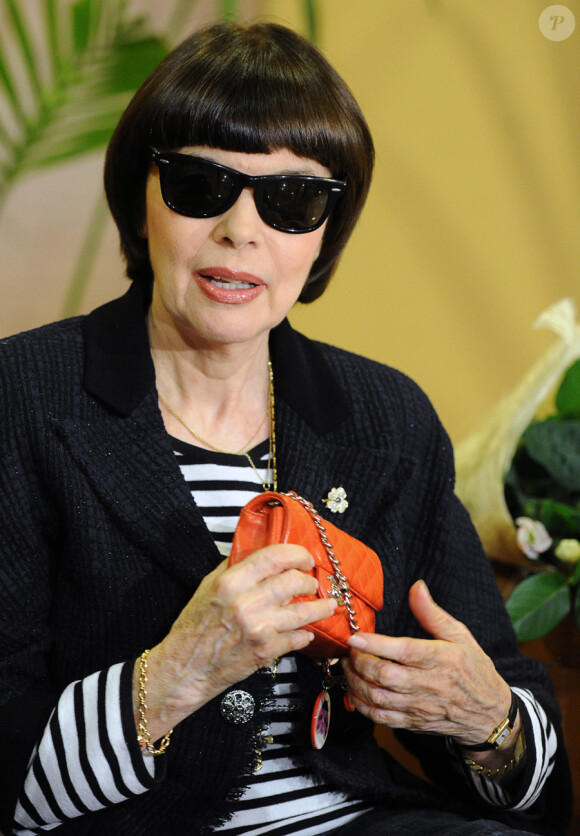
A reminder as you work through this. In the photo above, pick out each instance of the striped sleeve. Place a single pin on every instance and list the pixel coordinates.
(541, 747)
(88, 757)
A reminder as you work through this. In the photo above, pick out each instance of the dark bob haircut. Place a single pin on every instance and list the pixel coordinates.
(253, 89)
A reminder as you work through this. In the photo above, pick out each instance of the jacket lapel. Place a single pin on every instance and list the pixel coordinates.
(131, 467)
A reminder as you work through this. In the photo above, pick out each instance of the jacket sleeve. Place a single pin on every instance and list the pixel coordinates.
(28, 537)
(450, 558)
(31, 702)
(88, 757)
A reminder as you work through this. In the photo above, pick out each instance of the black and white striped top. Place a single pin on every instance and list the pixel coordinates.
(88, 757)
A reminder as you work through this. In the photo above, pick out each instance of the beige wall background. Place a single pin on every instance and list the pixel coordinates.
(471, 228)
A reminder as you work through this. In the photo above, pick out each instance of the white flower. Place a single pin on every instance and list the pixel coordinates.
(568, 551)
(533, 539)
(336, 500)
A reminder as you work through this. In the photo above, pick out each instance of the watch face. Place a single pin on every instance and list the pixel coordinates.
(503, 735)
(500, 733)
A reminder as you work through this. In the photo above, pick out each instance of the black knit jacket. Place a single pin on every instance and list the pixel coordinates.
(101, 547)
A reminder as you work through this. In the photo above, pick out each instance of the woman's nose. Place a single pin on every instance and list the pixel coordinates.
(240, 225)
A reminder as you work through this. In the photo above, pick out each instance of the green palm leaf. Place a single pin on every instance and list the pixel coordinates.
(62, 95)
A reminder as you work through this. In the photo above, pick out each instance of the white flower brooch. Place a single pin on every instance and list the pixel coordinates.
(336, 501)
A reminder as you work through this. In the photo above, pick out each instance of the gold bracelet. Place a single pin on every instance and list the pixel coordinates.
(143, 736)
(499, 772)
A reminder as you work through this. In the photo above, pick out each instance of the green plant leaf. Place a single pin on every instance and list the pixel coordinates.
(311, 13)
(556, 446)
(560, 519)
(24, 42)
(568, 395)
(8, 86)
(81, 24)
(90, 109)
(97, 58)
(228, 9)
(538, 604)
(130, 63)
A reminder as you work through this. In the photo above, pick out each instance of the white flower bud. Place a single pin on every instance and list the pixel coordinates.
(568, 551)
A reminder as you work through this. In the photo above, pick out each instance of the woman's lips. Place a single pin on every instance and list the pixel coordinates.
(233, 287)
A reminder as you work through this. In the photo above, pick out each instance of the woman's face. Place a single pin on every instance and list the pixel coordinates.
(231, 278)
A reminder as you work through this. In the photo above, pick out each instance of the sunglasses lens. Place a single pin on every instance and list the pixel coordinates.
(293, 204)
(196, 189)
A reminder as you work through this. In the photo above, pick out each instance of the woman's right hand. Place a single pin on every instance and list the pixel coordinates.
(240, 619)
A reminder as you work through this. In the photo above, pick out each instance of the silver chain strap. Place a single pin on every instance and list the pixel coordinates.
(340, 587)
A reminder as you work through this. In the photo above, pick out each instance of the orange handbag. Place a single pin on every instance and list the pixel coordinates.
(345, 568)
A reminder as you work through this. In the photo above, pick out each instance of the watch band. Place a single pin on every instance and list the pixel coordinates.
(501, 732)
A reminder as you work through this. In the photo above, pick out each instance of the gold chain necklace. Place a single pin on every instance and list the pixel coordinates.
(271, 467)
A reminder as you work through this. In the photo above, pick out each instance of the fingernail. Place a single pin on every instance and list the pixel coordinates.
(357, 642)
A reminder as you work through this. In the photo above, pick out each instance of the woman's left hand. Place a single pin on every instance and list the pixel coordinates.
(446, 685)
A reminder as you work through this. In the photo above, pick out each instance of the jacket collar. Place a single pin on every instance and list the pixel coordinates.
(119, 370)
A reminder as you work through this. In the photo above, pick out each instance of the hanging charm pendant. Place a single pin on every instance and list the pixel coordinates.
(320, 723)
(336, 501)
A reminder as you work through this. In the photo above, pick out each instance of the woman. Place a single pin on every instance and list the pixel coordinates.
(148, 688)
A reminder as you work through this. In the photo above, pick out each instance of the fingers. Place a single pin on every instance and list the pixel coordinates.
(377, 697)
(434, 619)
(272, 560)
(259, 650)
(372, 649)
(394, 648)
(273, 589)
(400, 696)
(418, 652)
(257, 597)
(383, 705)
(271, 601)
(371, 671)
(283, 587)
(284, 567)
(254, 621)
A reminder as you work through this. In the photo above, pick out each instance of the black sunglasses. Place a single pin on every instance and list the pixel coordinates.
(200, 188)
